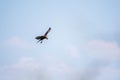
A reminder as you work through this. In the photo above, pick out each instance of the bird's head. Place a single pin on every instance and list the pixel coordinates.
(46, 37)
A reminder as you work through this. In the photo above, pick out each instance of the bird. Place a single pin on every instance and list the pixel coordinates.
(41, 38)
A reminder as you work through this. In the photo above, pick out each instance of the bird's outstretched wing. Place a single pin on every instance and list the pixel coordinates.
(47, 31)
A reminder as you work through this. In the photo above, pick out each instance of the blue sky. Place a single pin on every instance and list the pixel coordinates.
(83, 44)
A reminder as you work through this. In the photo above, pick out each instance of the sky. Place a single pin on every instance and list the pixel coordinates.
(83, 43)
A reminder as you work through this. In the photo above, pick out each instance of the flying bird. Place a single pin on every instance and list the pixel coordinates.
(41, 38)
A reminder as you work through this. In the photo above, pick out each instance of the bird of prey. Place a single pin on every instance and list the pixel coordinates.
(41, 38)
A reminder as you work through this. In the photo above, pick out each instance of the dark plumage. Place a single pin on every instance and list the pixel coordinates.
(41, 38)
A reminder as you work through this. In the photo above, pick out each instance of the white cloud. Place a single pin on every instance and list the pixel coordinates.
(18, 42)
(56, 65)
(103, 58)
(25, 69)
(61, 69)
(102, 50)
(25, 63)
(109, 73)
(98, 51)
(98, 73)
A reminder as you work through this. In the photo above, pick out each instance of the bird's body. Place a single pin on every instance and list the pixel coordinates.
(41, 38)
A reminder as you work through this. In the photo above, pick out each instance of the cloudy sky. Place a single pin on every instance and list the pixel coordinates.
(84, 42)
